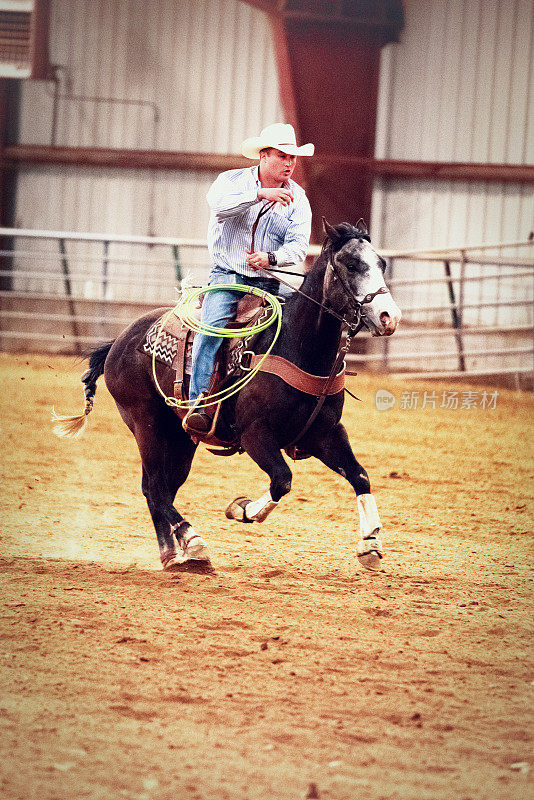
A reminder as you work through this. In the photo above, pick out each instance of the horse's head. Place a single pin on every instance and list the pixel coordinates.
(354, 278)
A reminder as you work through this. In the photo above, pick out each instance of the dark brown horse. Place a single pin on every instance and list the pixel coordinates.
(344, 289)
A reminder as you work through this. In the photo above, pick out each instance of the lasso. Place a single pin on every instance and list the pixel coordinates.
(185, 311)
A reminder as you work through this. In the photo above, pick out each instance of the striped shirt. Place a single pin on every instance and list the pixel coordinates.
(234, 205)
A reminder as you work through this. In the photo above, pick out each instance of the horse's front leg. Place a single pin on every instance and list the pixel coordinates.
(260, 444)
(335, 451)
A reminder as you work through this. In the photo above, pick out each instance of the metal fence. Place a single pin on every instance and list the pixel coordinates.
(466, 311)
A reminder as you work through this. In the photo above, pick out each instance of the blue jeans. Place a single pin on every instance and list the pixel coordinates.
(218, 308)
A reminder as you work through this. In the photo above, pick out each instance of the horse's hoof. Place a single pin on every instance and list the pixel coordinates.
(371, 561)
(236, 509)
(179, 563)
(370, 553)
(193, 555)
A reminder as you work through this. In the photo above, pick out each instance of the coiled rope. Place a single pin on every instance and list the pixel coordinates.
(185, 311)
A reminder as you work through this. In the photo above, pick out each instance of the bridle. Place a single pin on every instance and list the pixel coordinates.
(358, 317)
(354, 324)
(354, 319)
(356, 303)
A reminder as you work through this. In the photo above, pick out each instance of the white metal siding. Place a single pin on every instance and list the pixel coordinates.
(460, 83)
(458, 87)
(113, 201)
(196, 75)
(425, 215)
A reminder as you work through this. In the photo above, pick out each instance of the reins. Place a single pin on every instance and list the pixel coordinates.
(357, 309)
(353, 327)
(264, 210)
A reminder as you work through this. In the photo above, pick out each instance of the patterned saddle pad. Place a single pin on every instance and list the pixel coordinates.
(163, 343)
(168, 343)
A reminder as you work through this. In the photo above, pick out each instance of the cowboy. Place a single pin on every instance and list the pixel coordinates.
(260, 218)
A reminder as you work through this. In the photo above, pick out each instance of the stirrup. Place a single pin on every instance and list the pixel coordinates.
(192, 431)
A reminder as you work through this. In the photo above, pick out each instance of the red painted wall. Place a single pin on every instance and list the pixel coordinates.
(328, 64)
(335, 78)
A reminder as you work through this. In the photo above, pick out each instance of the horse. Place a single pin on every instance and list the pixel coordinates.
(343, 291)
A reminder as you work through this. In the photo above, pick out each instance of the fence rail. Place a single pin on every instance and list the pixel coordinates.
(466, 310)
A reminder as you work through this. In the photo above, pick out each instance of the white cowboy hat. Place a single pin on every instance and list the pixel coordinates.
(278, 135)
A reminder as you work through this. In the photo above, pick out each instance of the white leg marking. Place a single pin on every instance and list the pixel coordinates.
(260, 509)
(193, 546)
(369, 549)
(369, 520)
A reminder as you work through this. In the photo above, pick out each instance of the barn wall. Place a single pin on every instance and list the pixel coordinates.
(201, 75)
(115, 202)
(458, 87)
(197, 75)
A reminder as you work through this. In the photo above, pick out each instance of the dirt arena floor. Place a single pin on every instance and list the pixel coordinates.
(290, 672)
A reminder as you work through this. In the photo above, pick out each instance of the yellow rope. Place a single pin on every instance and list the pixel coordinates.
(184, 310)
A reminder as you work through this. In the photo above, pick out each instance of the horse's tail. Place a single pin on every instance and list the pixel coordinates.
(73, 427)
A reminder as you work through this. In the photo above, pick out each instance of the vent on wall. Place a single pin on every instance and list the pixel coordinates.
(24, 38)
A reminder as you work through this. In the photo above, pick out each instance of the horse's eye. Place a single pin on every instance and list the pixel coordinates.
(383, 263)
(352, 266)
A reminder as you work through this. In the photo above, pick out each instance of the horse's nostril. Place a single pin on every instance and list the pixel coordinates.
(385, 319)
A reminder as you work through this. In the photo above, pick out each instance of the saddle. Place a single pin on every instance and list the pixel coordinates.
(170, 342)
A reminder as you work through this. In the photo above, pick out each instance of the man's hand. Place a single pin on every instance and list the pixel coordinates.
(257, 260)
(282, 196)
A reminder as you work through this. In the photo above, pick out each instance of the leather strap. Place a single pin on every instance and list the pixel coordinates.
(263, 210)
(297, 378)
(178, 363)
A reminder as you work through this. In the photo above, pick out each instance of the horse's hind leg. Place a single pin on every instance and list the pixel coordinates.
(335, 451)
(167, 453)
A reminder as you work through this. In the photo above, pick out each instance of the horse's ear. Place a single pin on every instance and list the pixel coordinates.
(330, 231)
(361, 227)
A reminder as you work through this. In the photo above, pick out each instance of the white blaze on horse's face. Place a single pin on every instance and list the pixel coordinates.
(365, 273)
